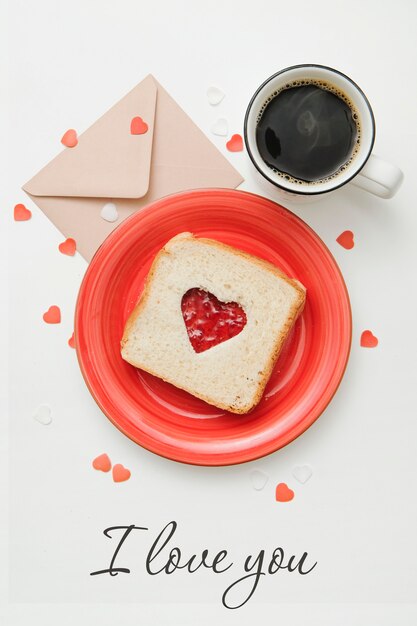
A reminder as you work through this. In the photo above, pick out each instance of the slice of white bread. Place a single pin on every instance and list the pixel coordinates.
(231, 375)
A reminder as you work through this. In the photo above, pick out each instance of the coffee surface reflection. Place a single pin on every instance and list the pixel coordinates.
(308, 132)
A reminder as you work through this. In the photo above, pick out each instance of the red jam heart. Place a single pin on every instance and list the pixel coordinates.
(368, 340)
(69, 138)
(209, 321)
(283, 493)
(235, 144)
(21, 213)
(71, 341)
(345, 239)
(138, 126)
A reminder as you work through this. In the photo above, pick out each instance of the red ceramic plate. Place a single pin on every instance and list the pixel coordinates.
(169, 421)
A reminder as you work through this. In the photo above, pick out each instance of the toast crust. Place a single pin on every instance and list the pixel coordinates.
(295, 311)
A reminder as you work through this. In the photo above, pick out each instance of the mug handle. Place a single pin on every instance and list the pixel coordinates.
(379, 177)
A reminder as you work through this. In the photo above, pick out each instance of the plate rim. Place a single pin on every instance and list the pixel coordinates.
(148, 208)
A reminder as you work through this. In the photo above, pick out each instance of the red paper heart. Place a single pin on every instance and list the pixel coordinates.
(235, 144)
(209, 321)
(102, 463)
(21, 213)
(52, 315)
(368, 340)
(68, 247)
(283, 493)
(138, 126)
(71, 341)
(345, 239)
(69, 138)
(120, 473)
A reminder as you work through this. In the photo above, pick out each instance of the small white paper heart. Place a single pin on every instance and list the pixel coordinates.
(109, 212)
(220, 127)
(214, 95)
(43, 415)
(259, 479)
(302, 473)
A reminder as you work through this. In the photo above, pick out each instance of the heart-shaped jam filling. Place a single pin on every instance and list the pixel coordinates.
(209, 321)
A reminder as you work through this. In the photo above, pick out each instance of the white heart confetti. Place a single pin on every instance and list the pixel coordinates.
(214, 95)
(259, 479)
(109, 212)
(220, 127)
(302, 473)
(43, 415)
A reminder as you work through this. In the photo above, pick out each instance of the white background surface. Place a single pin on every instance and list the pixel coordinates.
(69, 62)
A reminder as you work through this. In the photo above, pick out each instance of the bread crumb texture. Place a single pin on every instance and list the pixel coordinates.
(231, 375)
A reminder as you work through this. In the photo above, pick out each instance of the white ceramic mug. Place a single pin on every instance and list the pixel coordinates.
(365, 170)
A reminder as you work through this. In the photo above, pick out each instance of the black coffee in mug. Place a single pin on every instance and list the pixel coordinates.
(308, 131)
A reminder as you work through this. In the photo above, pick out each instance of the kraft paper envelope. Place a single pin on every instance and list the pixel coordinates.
(110, 164)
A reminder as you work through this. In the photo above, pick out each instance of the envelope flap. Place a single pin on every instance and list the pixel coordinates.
(109, 160)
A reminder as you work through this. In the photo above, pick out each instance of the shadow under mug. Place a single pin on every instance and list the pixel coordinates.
(365, 170)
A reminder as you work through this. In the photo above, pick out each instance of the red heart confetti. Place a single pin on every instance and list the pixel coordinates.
(120, 473)
(102, 463)
(21, 213)
(235, 144)
(138, 126)
(68, 247)
(209, 321)
(368, 340)
(71, 341)
(283, 493)
(345, 239)
(69, 138)
(52, 315)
